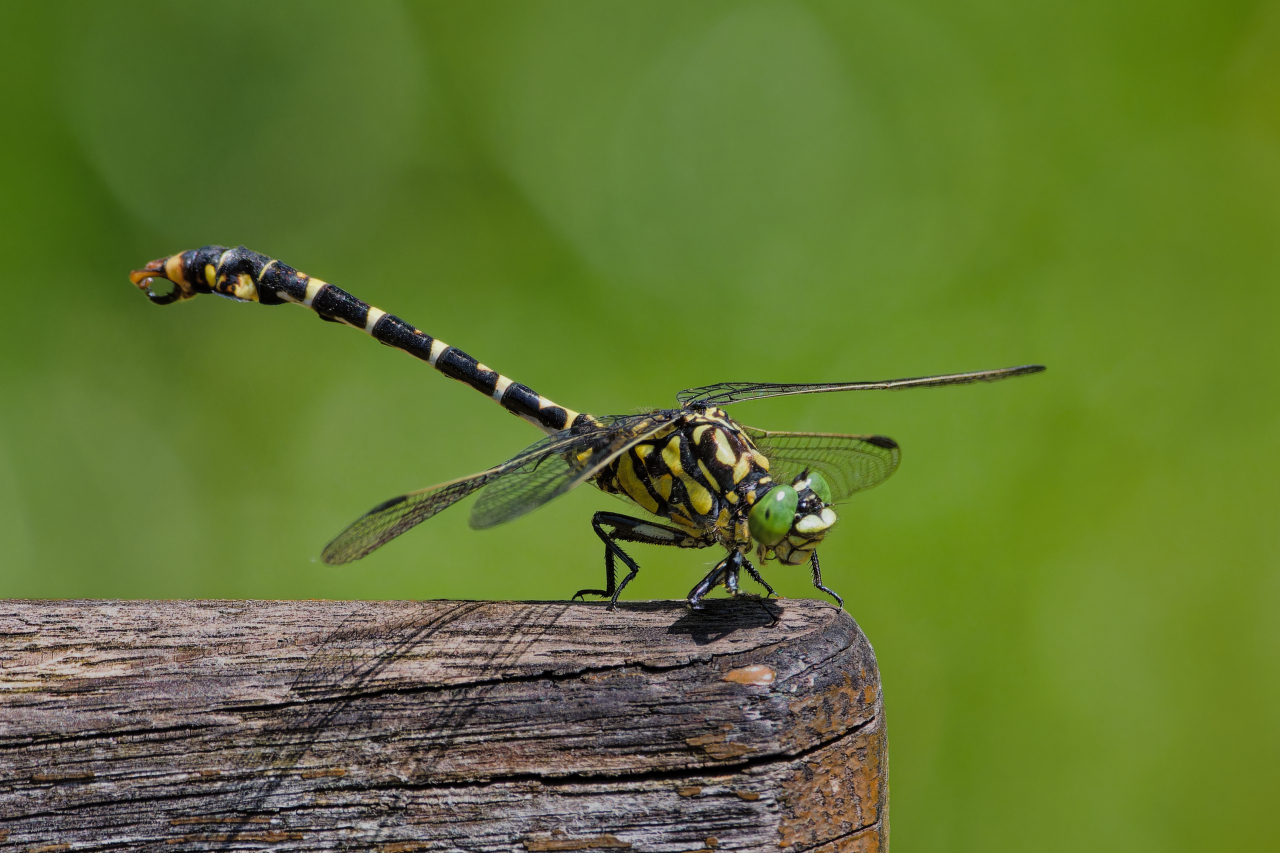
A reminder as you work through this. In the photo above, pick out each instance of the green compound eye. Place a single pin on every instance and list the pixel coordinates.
(771, 518)
(820, 487)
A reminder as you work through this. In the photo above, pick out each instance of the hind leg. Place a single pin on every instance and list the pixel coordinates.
(630, 529)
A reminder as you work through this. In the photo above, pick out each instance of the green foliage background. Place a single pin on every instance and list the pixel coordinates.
(1071, 583)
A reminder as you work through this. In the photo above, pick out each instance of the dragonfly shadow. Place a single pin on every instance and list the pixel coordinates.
(721, 617)
(340, 678)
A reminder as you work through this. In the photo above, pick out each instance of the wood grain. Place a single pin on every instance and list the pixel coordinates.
(439, 725)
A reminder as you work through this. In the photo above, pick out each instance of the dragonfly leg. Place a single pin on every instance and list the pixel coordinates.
(817, 580)
(726, 572)
(719, 575)
(755, 576)
(610, 576)
(630, 529)
(731, 577)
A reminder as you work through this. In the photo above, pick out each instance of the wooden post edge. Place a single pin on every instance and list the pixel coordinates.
(439, 725)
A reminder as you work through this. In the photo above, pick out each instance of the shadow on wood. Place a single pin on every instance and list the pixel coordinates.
(439, 725)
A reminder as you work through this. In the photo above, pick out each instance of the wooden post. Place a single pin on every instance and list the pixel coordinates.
(439, 725)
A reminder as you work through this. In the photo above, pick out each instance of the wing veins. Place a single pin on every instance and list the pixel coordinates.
(497, 505)
(535, 485)
(724, 393)
(849, 463)
(393, 517)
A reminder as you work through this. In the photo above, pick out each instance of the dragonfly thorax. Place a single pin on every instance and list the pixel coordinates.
(701, 471)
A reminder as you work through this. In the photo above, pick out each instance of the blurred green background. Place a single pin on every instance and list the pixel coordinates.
(1071, 583)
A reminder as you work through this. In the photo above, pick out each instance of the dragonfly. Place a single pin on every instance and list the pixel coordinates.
(702, 478)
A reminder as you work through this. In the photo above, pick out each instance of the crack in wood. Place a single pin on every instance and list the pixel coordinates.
(553, 843)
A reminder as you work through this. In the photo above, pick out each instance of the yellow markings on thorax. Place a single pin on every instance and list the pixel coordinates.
(210, 275)
(682, 519)
(724, 451)
(671, 455)
(699, 497)
(707, 475)
(375, 314)
(631, 484)
(741, 468)
(698, 431)
(314, 286)
(761, 460)
(662, 482)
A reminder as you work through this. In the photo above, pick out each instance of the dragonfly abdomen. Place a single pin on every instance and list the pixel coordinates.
(253, 277)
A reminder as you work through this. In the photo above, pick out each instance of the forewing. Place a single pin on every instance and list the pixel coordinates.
(389, 519)
(725, 393)
(849, 463)
(550, 476)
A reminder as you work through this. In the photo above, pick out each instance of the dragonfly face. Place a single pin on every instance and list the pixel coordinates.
(788, 522)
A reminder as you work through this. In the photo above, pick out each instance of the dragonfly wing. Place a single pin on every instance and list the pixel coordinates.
(849, 463)
(389, 519)
(725, 393)
(545, 479)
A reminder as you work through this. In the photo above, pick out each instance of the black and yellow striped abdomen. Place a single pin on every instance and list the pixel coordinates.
(701, 472)
(252, 277)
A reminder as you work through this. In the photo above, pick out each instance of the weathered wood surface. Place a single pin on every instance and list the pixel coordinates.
(438, 725)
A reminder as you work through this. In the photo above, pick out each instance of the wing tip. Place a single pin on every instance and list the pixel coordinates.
(329, 558)
(387, 504)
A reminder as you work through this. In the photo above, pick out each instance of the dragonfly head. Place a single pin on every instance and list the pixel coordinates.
(790, 521)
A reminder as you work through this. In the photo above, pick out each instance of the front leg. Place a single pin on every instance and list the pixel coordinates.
(630, 529)
(755, 575)
(726, 572)
(817, 580)
(720, 574)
